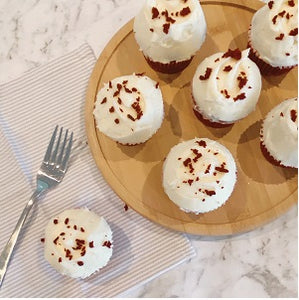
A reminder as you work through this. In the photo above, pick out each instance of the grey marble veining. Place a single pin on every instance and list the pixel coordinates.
(260, 263)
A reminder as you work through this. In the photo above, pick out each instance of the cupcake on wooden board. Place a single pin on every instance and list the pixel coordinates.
(225, 88)
(273, 37)
(78, 243)
(129, 109)
(170, 32)
(279, 134)
(199, 175)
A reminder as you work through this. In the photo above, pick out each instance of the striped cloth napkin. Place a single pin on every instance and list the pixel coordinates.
(30, 107)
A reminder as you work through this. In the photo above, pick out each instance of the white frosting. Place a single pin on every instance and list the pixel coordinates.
(279, 133)
(207, 183)
(209, 96)
(136, 91)
(185, 35)
(263, 33)
(77, 243)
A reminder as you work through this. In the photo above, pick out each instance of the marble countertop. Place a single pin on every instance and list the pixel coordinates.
(261, 263)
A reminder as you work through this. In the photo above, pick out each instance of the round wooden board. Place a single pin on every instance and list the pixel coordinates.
(263, 191)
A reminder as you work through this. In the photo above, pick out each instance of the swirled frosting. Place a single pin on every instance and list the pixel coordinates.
(78, 242)
(170, 30)
(226, 86)
(274, 33)
(199, 175)
(129, 109)
(279, 133)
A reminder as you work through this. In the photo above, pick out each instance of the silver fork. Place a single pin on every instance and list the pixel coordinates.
(51, 173)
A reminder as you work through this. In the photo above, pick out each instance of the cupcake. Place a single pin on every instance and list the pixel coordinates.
(273, 37)
(169, 33)
(279, 134)
(199, 175)
(225, 88)
(78, 243)
(129, 109)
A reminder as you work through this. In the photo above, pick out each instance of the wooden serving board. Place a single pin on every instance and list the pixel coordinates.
(263, 191)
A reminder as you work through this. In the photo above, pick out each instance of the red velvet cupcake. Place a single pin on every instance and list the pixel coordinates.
(273, 37)
(279, 135)
(225, 88)
(169, 33)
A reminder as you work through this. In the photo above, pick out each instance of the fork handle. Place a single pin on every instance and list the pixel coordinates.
(8, 249)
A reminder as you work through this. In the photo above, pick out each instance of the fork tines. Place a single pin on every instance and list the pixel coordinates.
(60, 155)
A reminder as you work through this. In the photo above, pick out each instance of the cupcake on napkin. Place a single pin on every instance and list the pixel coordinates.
(78, 243)
(170, 32)
(273, 37)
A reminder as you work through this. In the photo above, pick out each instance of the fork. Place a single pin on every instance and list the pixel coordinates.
(50, 173)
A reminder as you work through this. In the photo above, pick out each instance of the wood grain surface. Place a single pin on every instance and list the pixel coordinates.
(263, 191)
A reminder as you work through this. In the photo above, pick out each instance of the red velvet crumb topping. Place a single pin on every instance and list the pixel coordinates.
(202, 143)
(155, 13)
(207, 171)
(166, 27)
(107, 244)
(293, 113)
(242, 81)
(226, 94)
(210, 193)
(221, 169)
(227, 68)
(236, 54)
(282, 13)
(130, 117)
(280, 37)
(207, 74)
(187, 161)
(294, 32)
(240, 97)
(185, 11)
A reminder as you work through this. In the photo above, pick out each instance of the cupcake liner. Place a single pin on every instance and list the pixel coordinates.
(210, 123)
(205, 120)
(168, 68)
(265, 68)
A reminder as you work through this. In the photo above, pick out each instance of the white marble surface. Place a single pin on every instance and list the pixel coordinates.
(261, 263)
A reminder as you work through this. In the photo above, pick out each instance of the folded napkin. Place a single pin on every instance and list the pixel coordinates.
(30, 107)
